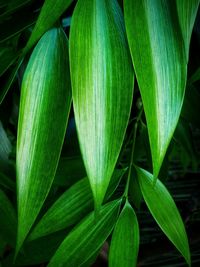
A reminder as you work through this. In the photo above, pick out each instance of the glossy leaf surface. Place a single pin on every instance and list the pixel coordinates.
(44, 108)
(86, 238)
(159, 60)
(125, 239)
(102, 94)
(164, 211)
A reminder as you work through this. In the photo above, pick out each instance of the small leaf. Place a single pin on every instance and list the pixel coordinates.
(44, 108)
(164, 211)
(102, 95)
(86, 238)
(125, 232)
(45, 21)
(160, 64)
(8, 220)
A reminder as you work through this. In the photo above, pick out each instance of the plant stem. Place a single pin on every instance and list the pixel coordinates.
(132, 153)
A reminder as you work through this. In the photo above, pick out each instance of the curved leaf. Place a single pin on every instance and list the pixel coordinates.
(86, 238)
(102, 94)
(164, 211)
(126, 232)
(45, 21)
(44, 108)
(159, 61)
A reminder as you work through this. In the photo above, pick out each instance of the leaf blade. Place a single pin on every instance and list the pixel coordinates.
(101, 107)
(47, 69)
(125, 231)
(164, 211)
(159, 60)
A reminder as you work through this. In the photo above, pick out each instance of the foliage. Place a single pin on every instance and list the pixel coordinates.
(133, 112)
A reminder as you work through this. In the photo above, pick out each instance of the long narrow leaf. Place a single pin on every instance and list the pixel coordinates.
(164, 211)
(45, 21)
(86, 238)
(102, 93)
(126, 232)
(159, 60)
(44, 108)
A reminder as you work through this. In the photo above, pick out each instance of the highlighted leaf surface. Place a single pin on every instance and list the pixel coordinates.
(164, 211)
(157, 44)
(44, 108)
(102, 87)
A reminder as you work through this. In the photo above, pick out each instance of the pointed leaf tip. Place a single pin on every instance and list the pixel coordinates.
(164, 211)
(102, 95)
(44, 107)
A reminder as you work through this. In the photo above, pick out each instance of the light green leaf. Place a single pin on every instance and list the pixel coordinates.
(44, 108)
(187, 11)
(159, 61)
(8, 220)
(45, 21)
(86, 238)
(71, 207)
(102, 94)
(126, 232)
(164, 211)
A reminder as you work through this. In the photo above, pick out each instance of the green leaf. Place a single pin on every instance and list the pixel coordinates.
(164, 211)
(102, 95)
(159, 60)
(71, 207)
(195, 77)
(8, 220)
(187, 11)
(46, 21)
(125, 232)
(86, 238)
(13, 6)
(6, 182)
(44, 109)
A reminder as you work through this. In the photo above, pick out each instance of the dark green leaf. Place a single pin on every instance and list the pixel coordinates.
(126, 232)
(44, 109)
(6, 182)
(7, 57)
(86, 238)
(164, 211)
(8, 220)
(159, 60)
(102, 95)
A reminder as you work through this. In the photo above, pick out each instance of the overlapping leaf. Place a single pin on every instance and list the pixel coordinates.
(164, 211)
(45, 21)
(44, 108)
(158, 46)
(86, 238)
(71, 207)
(102, 87)
(126, 232)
